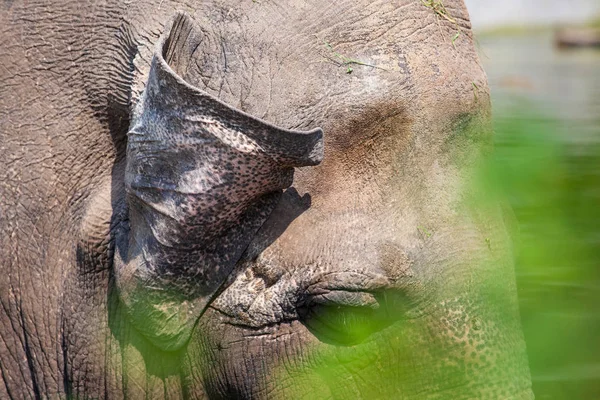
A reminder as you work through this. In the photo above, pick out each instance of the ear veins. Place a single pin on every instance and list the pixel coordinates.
(201, 178)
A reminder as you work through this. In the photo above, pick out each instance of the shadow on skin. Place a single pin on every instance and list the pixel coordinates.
(290, 206)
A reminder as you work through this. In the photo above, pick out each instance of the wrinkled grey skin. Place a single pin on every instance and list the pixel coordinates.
(172, 223)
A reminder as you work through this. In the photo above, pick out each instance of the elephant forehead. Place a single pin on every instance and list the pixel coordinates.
(335, 65)
(311, 62)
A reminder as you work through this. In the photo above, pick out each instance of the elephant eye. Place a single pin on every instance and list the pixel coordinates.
(343, 318)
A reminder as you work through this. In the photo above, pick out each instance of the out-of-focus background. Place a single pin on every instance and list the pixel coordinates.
(542, 58)
(486, 14)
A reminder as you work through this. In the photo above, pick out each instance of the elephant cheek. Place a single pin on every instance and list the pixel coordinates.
(473, 327)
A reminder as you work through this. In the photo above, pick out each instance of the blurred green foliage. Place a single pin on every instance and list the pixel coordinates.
(553, 185)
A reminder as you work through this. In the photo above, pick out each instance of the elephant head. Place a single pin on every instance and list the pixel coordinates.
(235, 250)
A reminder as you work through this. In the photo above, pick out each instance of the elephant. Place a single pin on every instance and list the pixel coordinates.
(250, 199)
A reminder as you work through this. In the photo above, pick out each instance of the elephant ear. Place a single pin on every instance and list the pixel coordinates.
(201, 178)
(195, 164)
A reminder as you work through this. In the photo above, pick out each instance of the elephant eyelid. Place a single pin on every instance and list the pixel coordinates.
(342, 298)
